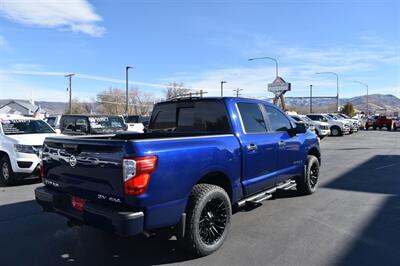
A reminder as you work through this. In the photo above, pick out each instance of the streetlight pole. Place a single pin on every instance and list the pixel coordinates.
(126, 89)
(270, 58)
(237, 91)
(337, 87)
(310, 99)
(69, 76)
(222, 87)
(366, 86)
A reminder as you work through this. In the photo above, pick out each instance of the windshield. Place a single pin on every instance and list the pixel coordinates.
(296, 118)
(25, 126)
(104, 122)
(306, 119)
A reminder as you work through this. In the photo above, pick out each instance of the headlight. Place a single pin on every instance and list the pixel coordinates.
(24, 148)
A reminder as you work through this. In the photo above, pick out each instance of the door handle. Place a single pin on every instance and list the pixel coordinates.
(281, 144)
(252, 147)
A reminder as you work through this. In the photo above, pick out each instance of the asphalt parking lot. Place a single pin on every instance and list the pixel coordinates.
(353, 219)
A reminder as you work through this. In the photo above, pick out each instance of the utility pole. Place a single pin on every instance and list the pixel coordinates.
(126, 89)
(69, 76)
(222, 88)
(337, 87)
(310, 99)
(237, 91)
(366, 86)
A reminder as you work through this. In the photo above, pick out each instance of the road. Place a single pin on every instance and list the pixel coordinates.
(353, 219)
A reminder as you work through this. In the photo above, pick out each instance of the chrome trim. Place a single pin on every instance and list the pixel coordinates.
(176, 138)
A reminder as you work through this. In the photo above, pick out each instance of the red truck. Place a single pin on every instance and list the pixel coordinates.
(379, 121)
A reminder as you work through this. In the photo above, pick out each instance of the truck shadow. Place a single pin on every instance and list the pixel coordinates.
(30, 237)
(377, 242)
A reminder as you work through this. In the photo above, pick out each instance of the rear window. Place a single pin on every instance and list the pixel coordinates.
(196, 116)
(132, 119)
(102, 122)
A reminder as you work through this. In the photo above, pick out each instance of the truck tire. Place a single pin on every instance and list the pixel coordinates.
(208, 219)
(336, 131)
(7, 176)
(308, 183)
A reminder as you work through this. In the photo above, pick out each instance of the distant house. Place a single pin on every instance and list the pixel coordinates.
(20, 107)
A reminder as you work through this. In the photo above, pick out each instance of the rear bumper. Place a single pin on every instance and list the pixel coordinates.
(105, 218)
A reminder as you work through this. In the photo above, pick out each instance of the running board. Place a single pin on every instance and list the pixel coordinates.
(266, 194)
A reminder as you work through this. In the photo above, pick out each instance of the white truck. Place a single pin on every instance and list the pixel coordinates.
(322, 129)
(21, 140)
(337, 127)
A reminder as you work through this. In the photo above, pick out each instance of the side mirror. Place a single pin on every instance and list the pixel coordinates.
(58, 131)
(299, 129)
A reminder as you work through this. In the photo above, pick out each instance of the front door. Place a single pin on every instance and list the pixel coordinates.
(290, 162)
(259, 149)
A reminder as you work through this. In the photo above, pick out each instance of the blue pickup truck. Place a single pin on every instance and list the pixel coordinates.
(198, 159)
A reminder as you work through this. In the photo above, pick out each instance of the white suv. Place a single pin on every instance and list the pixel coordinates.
(21, 139)
(322, 129)
(337, 127)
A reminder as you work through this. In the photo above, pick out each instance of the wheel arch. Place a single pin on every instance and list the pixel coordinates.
(219, 179)
(315, 152)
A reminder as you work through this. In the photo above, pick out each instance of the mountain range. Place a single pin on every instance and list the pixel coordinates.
(378, 103)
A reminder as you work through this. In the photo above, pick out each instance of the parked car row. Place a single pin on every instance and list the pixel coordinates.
(21, 138)
(328, 124)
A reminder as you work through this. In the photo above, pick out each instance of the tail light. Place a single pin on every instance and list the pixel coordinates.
(41, 167)
(137, 173)
(41, 170)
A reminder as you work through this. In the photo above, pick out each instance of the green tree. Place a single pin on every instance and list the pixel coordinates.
(348, 109)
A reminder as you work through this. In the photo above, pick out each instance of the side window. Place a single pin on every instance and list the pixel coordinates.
(81, 125)
(277, 120)
(252, 118)
(68, 124)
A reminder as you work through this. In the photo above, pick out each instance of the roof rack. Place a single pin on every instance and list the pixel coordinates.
(189, 95)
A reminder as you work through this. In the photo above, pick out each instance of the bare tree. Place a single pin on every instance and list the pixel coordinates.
(112, 101)
(79, 107)
(175, 89)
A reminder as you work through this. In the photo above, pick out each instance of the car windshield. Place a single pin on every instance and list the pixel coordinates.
(104, 122)
(306, 119)
(296, 118)
(25, 126)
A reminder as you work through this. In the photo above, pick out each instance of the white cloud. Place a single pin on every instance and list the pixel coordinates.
(72, 15)
(3, 42)
(298, 65)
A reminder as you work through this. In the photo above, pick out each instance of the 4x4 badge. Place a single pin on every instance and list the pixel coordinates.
(72, 161)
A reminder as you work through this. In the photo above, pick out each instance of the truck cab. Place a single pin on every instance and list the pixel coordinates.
(198, 159)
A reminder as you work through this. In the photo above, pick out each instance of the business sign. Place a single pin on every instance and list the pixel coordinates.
(279, 85)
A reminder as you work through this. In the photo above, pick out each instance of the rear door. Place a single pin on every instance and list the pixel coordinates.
(259, 149)
(290, 160)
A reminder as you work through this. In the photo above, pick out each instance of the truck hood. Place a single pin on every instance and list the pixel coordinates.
(30, 139)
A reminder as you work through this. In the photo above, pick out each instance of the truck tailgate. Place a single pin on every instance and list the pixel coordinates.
(87, 168)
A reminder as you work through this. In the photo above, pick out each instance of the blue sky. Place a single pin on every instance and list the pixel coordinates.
(198, 43)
